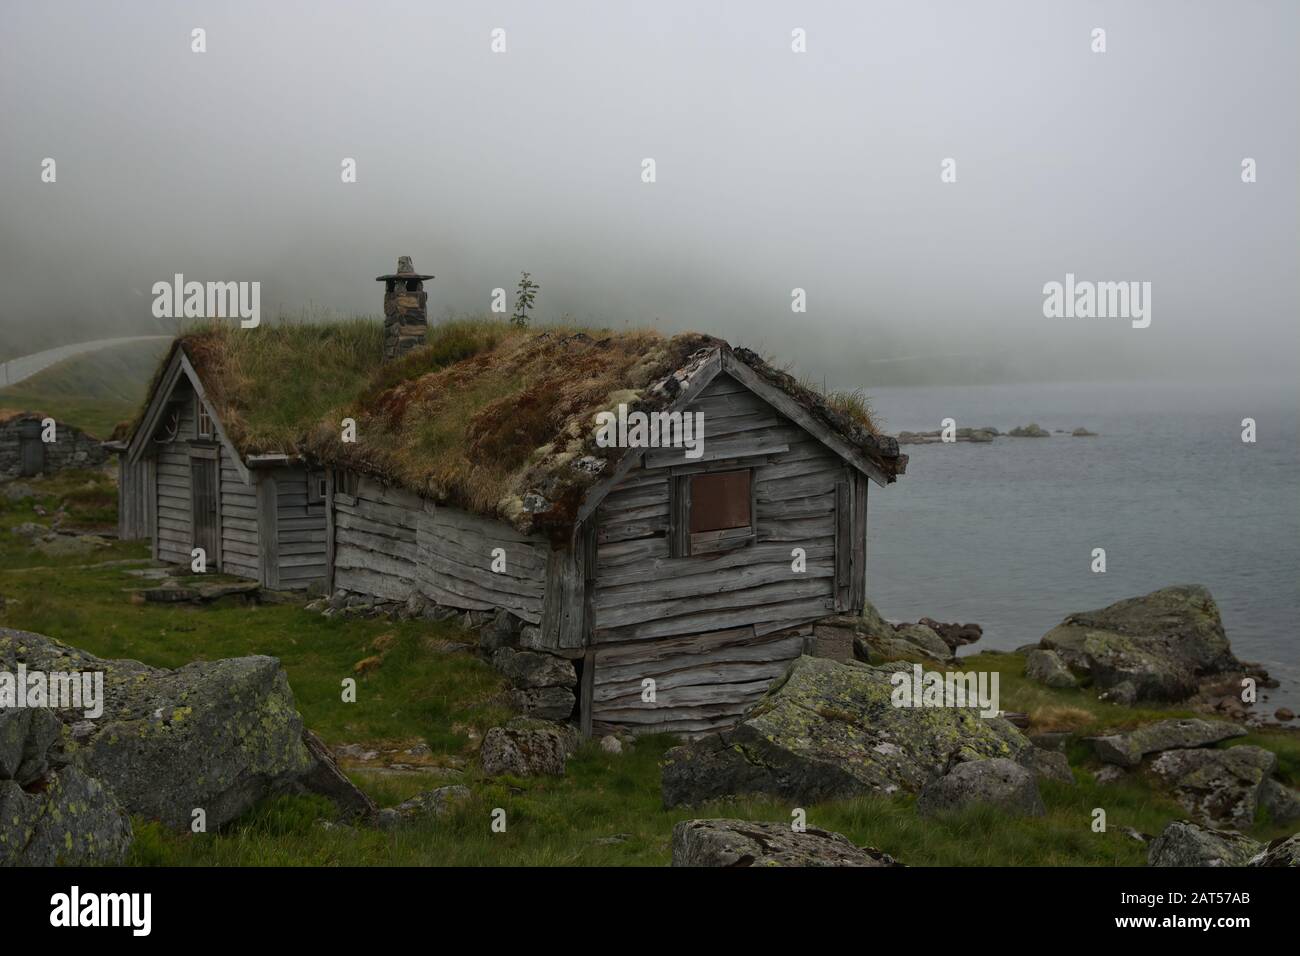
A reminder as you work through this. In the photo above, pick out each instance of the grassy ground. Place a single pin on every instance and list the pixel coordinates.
(605, 811)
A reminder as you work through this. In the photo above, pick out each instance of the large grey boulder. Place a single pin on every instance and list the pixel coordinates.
(1184, 843)
(875, 641)
(213, 735)
(526, 669)
(954, 635)
(1283, 852)
(1047, 668)
(739, 843)
(26, 736)
(570, 736)
(1217, 786)
(1279, 801)
(426, 805)
(1154, 647)
(544, 703)
(924, 637)
(50, 812)
(1128, 749)
(829, 730)
(998, 783)
(522, 753)
(1047, 764)
(71, 819)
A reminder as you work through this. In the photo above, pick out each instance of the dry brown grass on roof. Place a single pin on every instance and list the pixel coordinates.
(9, 414)
(477, 432)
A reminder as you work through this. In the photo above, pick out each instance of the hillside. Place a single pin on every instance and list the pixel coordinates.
(93, 392)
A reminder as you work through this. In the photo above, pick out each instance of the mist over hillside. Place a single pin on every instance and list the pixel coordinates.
(775, 171)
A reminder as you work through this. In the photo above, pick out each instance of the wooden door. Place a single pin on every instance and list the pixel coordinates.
(31, 449)
(203, 490)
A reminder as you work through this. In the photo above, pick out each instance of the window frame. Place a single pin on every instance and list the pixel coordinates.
(200, 416)
(682, 542)
(317, 486)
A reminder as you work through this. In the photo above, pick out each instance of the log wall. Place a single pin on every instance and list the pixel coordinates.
(299, 530)
(389, 544)
(713, 630)
(239, 538)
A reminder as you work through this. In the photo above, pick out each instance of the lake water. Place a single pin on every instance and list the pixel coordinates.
(1002, 534)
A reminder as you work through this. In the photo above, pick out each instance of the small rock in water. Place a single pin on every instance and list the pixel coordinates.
(1032, 430)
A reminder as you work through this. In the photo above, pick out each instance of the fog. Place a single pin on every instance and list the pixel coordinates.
(775, 170)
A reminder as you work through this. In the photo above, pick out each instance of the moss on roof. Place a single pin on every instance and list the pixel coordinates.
(486, 416)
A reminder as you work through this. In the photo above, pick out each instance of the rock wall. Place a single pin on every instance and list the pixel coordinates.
(72, 448)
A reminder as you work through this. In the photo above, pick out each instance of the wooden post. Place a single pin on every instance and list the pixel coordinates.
(843, 545)
(267, 532)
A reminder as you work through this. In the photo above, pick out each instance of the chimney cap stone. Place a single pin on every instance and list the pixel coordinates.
(405, 270)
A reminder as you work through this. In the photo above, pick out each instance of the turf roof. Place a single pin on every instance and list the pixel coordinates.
(486, 416)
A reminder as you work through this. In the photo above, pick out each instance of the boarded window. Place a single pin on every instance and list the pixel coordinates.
(711, 511)
(720, 501)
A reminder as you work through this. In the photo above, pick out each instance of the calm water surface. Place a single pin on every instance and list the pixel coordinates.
(1002, 534)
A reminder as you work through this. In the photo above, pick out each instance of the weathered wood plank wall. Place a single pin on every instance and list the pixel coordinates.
(174, 504)
(239, 540)
(388, 543)
(137, 499)
(300, 530)
(712, 630)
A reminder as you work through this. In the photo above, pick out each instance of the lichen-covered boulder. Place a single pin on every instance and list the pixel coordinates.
(740, 843)
(1047, 668)
(999, 783)
(1217, 786)
(1046, 764)
(829, 730)
(522, 753)
(426, 805)
(1154, 647)
(26, 736)
(882, 649)
(1184, 843)
(212, 735)
(1283, 852)
(1280, 802)
(526, 669)
(1127, 749)
(70, 819)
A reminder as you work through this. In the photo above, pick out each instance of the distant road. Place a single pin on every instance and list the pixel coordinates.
(25, 366)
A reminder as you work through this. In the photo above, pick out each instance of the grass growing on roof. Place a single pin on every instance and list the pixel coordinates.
(486, 407)
(481, 415)
(271, 384)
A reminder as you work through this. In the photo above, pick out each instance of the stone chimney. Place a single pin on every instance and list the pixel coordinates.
(406, 320)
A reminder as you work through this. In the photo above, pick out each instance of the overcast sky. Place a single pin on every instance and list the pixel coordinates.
(775, 170)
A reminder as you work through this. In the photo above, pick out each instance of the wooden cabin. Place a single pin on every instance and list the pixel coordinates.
(678, 583)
